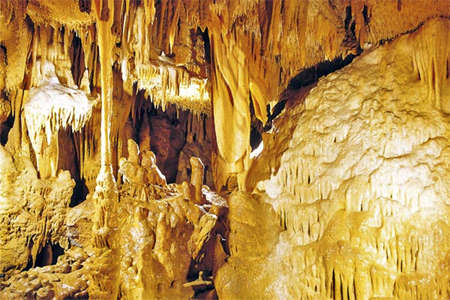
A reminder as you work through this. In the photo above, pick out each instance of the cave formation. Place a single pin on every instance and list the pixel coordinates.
(224, 149)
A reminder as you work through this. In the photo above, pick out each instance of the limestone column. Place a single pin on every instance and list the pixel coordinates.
(106, 194)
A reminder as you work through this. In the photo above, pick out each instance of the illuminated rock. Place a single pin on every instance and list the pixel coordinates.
(52, 107)
(361, 188)
(235, 149)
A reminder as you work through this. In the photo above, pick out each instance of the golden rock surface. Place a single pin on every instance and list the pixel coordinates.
(360, 191)
(224, 149)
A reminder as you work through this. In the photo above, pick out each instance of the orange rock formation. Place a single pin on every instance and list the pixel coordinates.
(180, 149)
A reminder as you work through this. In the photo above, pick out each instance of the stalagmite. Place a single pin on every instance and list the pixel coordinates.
(106, 194)
(197, 174)
(224, 149)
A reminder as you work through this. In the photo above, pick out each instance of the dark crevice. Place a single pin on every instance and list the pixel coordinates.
(350, 42)
(205, 37)
(348, 17)
(69, 160)
(390, 39)
(333, 285)
(256, 128)
(255, 137)
(61, 33)
(26, 82)
(365, 15)
(5, 127)
(77, 60)
(84, 5)
(305, 78)
(49, 255)
(167, 138)
(80, 192)
(5, 55)
(173, 135)
(57, 251)
(311, 75)
(352, 31)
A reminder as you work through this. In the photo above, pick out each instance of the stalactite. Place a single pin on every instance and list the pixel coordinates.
(328, 215)
(431, 58)
(51, 107)
(356, 215)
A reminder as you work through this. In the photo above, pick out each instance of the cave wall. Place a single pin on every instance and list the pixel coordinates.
(114, 114)
(356, 198)
(179, 45)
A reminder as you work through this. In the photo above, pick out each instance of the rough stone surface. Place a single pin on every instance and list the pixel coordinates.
(309, 143)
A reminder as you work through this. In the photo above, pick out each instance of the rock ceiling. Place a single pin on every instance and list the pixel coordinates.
(105, 104)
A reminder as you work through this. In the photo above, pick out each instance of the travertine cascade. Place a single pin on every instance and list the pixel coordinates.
(359, 218)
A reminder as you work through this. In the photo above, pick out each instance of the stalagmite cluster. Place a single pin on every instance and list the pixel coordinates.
(224, 149)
